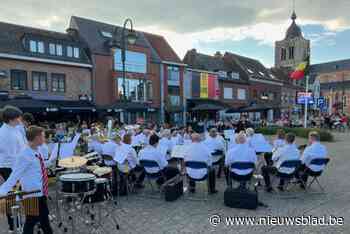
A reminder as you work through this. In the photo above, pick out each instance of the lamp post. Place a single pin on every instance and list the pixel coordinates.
(131, 38)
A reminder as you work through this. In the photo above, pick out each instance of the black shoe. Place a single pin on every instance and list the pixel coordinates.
(280, 188)
(302, 186)
(214, 192)
(269, 189)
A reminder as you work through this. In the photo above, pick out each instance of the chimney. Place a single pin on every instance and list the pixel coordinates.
(72, 32)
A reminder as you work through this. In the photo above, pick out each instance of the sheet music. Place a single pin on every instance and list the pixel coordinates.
(179, 151)
(260, 144)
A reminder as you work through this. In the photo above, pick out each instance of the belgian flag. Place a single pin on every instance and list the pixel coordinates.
(301, 70)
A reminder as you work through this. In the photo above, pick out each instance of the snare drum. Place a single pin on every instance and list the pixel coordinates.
(101, 193)
(77, 183)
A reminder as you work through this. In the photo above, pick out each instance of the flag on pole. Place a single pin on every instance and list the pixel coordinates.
(300, 71)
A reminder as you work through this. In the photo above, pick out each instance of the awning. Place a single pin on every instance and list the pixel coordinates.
(29, 104)
(206, 105)
(131, 107)
(253, 108)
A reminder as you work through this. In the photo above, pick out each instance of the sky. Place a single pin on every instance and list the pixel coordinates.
(246, 27)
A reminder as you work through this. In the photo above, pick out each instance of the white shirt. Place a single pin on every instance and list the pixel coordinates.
(213, 144)
(11, 144)
(152, 153)
(278, 143)
(198, 152)
(95, 145)
(27, 171)
(240, 153)
(130, 161)
(316, 150)
(285, 153)
(165, 146)
(109, 149)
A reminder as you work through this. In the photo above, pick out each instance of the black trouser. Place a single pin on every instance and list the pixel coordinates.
(303, 173)
(114, 183)
(220, 165)
(5, 173)
(268, 159)
(211, 178)
(43, 218)
(242, 179)
(132, 176)
(168, 173)
(266, 171)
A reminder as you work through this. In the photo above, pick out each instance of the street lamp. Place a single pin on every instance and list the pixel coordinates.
(130, 38)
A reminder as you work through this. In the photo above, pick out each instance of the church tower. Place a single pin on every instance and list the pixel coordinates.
(293, 49)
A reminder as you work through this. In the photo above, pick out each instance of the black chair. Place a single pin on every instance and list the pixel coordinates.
(242, 179)
(316, 174)
(151, 164)
(197, 166)
(290, 164)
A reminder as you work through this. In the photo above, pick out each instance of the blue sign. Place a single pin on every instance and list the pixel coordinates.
(321, 102)
(304, 97)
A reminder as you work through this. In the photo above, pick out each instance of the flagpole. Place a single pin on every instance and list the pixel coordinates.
(306, 101)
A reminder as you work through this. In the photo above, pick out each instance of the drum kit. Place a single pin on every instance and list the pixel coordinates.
(83, 194)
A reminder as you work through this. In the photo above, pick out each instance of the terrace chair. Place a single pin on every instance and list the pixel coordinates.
(195, 165)
(242, 179)
(315, 174)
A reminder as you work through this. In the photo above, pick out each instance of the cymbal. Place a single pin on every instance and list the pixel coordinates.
(72, 162)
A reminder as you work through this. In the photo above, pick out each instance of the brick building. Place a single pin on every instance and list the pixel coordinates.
(147, 63)
(333, 80)
(43, 71)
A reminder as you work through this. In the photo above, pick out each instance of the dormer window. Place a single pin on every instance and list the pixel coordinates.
(250, 71)
(235, 75)
(76, 53)
(106, 34)
(55, 49)
(36, 46)
(69, 51)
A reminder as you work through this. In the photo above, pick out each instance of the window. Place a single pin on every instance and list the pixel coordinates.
(235, 75)
(59, 50)
(39, 81)
(228, 94)
(134, 89)
(52, 49)
(106, 34)
(76, 52)
(134, 61)
(18, 80)
(261, 73)
(41, 48)
(58, 82)
(69, 51)
(33, 46)
(272, 76)
(241, 94)
(291, 52)
(283, 54)
(173, 76)
(222, 74)
(173, 90)
(250, 71)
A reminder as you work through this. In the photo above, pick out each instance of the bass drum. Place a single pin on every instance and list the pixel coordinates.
(77, 183)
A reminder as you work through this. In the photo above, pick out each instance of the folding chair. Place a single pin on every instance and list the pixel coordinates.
(290, 164)
(197, 166)
(151, 164)
(240, 178)
(316, 174)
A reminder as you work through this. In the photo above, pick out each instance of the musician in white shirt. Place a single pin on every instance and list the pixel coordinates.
(314, 150)
(277, 143)
(216, 146)
(151, 152)
(286, 153)
(198, 152)
(11, 144)
(30, 171)
(129, 165)
(240, 153)
(166, 145)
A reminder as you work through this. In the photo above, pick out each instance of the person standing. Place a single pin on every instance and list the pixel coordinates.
(30, 170)
(12, 143)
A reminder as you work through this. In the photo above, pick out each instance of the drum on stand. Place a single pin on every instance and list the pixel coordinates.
(77, 183)
(102, 192)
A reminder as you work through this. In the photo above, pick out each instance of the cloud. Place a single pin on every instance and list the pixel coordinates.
(186, 22)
